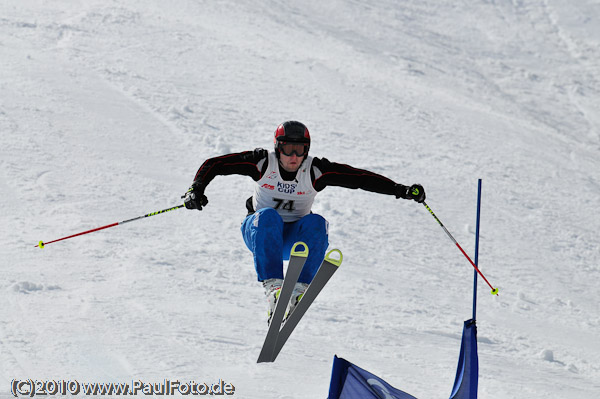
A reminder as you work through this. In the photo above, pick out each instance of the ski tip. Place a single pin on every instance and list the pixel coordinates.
(334, 261)
(300, 249)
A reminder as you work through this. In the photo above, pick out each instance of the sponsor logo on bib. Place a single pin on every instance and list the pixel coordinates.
(287, 188)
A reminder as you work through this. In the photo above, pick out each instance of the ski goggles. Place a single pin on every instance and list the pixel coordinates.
(289, 149)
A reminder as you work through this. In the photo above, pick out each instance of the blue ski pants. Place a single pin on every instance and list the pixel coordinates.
(271, 241)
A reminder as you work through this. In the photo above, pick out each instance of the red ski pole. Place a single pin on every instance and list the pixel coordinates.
(41, 244)
(494, 290)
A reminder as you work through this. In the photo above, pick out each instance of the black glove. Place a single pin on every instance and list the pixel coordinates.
(415, 192)
(194, 198)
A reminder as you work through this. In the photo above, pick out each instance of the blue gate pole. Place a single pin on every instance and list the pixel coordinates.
(476, 248)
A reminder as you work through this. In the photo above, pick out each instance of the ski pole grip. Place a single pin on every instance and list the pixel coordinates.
(333, 261)
(300, 249)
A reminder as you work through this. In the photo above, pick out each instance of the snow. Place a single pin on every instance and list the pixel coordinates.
(108, 109)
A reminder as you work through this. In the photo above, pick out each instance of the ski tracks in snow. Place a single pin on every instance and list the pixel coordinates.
(111, 108)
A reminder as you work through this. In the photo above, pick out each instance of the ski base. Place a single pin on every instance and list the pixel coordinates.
(325, 272)
(280, 330)
(298, 257)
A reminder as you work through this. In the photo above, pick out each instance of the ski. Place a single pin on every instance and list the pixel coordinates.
(298, 256)
(326, 270)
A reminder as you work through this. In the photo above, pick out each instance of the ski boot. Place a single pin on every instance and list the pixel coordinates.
(299, 290)
(272, 288)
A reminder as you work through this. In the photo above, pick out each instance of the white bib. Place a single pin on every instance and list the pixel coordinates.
(291, 199)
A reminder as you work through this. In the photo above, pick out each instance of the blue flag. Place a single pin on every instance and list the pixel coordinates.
(349, 381)
(467, 372)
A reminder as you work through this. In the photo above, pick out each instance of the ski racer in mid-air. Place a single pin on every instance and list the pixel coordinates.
(279, 211)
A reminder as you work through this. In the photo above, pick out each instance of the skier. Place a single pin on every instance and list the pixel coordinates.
(279, 211)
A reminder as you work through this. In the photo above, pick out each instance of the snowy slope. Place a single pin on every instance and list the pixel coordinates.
(108, 109)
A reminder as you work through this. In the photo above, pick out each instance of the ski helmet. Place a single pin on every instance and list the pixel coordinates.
(292, 132)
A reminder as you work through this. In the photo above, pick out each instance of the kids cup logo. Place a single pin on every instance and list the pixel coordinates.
(287, 188)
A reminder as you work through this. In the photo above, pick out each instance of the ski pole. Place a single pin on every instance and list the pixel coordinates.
(41, 244)
(494, 290)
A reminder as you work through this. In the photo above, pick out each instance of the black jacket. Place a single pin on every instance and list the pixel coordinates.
(323, 173)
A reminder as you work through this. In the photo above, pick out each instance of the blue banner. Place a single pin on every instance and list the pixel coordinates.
(467, 372)
(349, 381)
